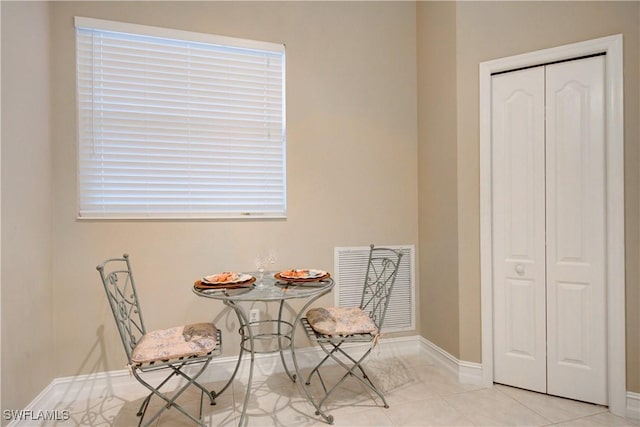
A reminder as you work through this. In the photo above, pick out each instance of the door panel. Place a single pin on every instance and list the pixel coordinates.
(520, 337)
(573, 298)
(575, 185)
(518, 227)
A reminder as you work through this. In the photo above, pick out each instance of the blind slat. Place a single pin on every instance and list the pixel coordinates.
(176, 126)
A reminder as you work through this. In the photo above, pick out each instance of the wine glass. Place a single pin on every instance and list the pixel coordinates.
(261, 263)
(272, 257)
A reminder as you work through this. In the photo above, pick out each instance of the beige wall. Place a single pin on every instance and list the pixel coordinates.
(27, 309)
(438, 180)
(490, 30)
(356, 112)
(352, 168)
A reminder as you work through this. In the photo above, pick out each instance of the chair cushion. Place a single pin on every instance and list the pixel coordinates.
(181, 341)
(341, 321)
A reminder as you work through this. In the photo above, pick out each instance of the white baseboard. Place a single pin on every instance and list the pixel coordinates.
(466, 372)
(469, 372)
(122, 383)
(633, 405)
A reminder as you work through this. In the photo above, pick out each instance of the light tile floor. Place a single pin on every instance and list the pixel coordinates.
(418, 392)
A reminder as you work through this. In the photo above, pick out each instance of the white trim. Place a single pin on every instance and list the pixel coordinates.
(612, 46)
(469, 372)
(147, 30)
(633, 405)
(440, 357)
(466, 372)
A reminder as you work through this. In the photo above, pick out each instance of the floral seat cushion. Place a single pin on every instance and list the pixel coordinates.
(341, 321)
(174, 343)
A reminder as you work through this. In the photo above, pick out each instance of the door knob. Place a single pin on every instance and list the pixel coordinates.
(520, 269)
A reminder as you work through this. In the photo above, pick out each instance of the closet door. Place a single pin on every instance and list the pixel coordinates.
(519, 228)
(575, 185)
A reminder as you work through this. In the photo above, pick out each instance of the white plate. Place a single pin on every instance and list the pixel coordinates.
(212, 279)
(310, 274)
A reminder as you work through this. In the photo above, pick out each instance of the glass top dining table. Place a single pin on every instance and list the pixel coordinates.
(266, 288)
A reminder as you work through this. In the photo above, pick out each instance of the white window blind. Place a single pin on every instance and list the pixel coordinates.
(175, 124)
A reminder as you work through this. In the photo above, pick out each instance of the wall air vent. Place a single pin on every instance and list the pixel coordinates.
(350, 267)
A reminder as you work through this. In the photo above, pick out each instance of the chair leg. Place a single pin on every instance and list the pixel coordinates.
(355, 363)
(316, 370)
(143, 407)
(334, 353)
(145, 403)
(210, 393)
(171, 402)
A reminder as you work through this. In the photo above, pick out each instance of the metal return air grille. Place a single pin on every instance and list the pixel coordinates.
(350, 267)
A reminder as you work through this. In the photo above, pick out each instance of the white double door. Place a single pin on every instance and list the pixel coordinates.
(548, 207)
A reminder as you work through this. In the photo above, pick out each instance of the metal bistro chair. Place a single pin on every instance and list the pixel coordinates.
(169, 349)
(334, 326)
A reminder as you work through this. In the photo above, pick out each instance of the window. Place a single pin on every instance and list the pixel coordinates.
(174, 124)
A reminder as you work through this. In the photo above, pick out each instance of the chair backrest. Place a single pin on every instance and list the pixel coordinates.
(117, 279)
(382, 270)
